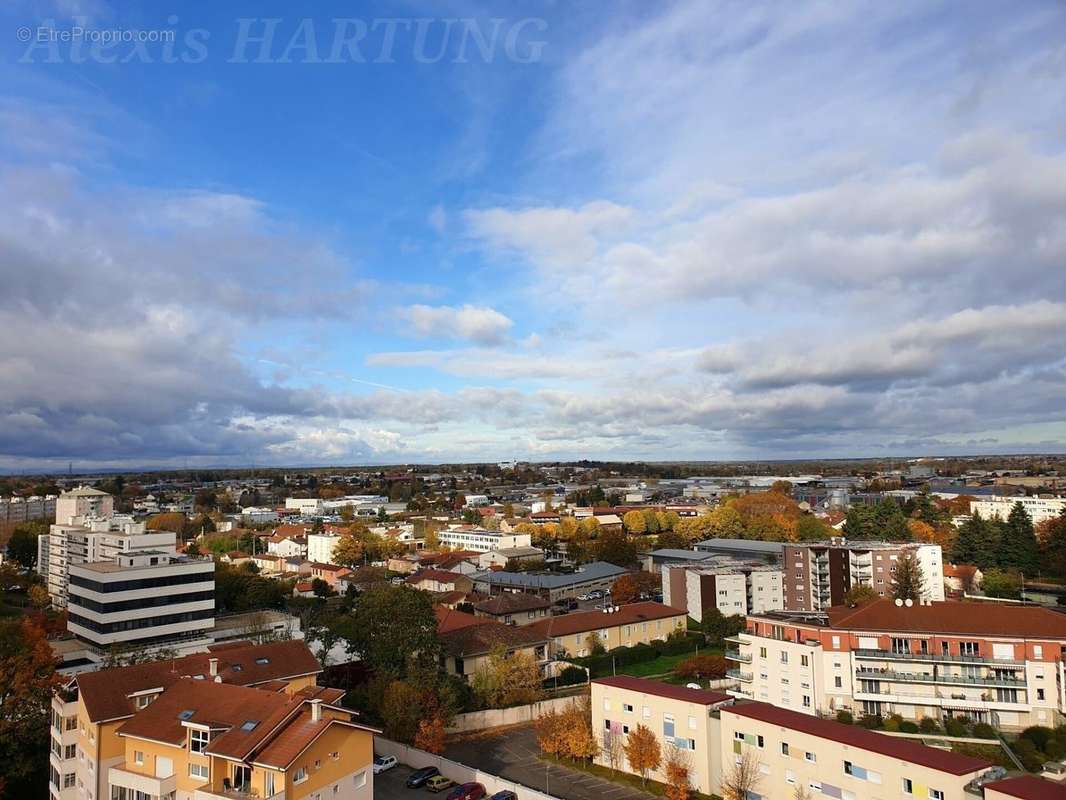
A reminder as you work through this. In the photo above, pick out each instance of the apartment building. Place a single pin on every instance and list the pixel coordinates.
(678, 716)
(1000, 664)
(481, 540)
(83, 502)
(24, 509)
(1040, 509)
(551, 585)
(145, 598)
(790, 751)
(88, 712)
(619, 626)
(817, 575)
(739, 588)
(827, 759)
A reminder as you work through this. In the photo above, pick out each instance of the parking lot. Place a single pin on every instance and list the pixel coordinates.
(513, 754)
(390, 784)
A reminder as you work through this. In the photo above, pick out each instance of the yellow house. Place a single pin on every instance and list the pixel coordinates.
(87, 713)
(201, 740)
(624, 626)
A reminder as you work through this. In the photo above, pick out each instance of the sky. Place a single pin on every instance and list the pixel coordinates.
(356, 233)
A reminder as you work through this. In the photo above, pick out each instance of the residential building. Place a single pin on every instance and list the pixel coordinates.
(1040, 509)
(514, 608)
(619, 626)
(24, 509)
(990, 662)
(1025, 787)
(142, 599)
(468, 642)
(332, 574)
(481, 540)
(288, 540)
(436, 580)
(320, 547)
(738, 588)
(819, 574)
(501, 558)
(746, 549)
(657, 559)
(83, 502)
(551, 585)
(91, 708)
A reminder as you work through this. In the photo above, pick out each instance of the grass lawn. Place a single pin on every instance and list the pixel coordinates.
(992, 752)
(622, 778)
(661, 665)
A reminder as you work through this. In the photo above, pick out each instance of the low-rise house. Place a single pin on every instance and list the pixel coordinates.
(551, 585)
(288, 541)
(622, 626)
(330, 573)
(269, 563)
(501, 558)
(436, 580)
(235, 558)
(513, 608)
(960, 578)
(468, 642)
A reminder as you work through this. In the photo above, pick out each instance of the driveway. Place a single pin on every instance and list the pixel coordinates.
(390, 784)
(513, 754)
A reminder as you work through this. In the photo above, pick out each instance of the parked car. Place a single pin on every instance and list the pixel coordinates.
(467, 791)
(419, 777)
(506, 794)
(382, 763)
(438, 783)
(595, 594)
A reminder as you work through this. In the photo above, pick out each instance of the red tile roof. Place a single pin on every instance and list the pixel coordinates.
(860, 738)
(448, 619)
(106, 692)
(439, 575)
(984, 619)
(1029, 787)
(669, 690)
(473, 640)
(582, 621)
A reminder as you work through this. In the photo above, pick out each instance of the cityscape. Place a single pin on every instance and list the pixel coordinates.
(533, 401)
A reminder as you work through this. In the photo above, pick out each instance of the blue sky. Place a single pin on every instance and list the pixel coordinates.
(690, 230)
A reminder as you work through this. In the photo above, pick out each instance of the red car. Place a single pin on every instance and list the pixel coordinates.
(467, 791)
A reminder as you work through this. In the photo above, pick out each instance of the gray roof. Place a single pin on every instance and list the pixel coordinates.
(597, 570)
(680, 555)
(749, 545)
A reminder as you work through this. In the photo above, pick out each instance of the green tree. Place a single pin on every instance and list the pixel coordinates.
(391, 626)
(651, 521)
(810, 528)
(860, 594)
(717, 627)
(22, 546)
(977, 543)
(615, 547)
(907, 580)
(1018, 549)
(1001, 583)
(671, 540)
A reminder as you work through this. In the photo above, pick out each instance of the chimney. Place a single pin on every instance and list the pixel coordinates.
(213, 667)
(316, 710)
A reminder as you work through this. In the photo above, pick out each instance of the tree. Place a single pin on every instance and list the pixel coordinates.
(171, 521)
(27, 679)
(629, 587)
(550, 733)
(321, 588)
(907, 580)
(594, 644)
(615, 547)
(678, 769)
(1002, 583)
(651, 521)
(643, 752)
(717, 627)
(705, 666)
(1018, 549)
(860, 594)
(22, 546)
(401, 711)
(576, 731)
(1054, 544)
(38, 596)
(671, 540)
(612, 749)
(508, 680)
(742, 778)
(430, 736)
(810, 528)
(977, 543)
(349, 551)
(590, 526)
(390, 625)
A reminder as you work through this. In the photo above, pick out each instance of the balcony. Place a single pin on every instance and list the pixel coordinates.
(745, 677)
(888, 655)
(947, 680)
(139, 782)
(233, 794)
(736, 639)
(736, 655)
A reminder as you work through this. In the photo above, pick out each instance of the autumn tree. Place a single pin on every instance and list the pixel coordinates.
(703, 666)
(401, 711)
(430, 736)
(550, 734)
(651, 520)
(742, 778)
(170, 521)
(860, 594)
(908, 583)
(678, 772)
(615, 547)
(38, 596)
(349, 551)
(27, 680)
(508, 680)
(567, 528)
(594, 644)
(643, 752)
(671, 540)
(581, 744)
(634, 522)
(629, 587)
(590, 526)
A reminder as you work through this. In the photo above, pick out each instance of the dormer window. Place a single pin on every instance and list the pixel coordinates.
(198, 740)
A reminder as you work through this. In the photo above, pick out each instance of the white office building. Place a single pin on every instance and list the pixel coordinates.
(482, 540)
(1040, 509)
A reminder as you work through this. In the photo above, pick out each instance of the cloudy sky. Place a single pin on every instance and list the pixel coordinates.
(687, 230)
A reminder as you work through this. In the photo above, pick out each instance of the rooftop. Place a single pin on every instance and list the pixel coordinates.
(684, 555)
(596, 570)
(984, 619)
(472, 640)
(659, 689)
(1029, 787)
(511, 602)
(582, 621)
(750, 545)
(860, 738)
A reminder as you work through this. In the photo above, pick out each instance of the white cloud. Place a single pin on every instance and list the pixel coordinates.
(438, 219)
(475, 323)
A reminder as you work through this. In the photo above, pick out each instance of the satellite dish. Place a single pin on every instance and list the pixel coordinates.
(693, 686)
(899, 603)
(908, 602)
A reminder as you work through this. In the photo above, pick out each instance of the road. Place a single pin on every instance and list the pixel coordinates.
(513, 754)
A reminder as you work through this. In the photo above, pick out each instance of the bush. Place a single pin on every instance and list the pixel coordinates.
(928, 725)
(702, 667)
(982, 730)
(1028, 754)
(891, 725)
(871, 721)
(1038, 735)
(679, 642)
(571, 676)
(954, 727)
(844, 717)
(908, 727)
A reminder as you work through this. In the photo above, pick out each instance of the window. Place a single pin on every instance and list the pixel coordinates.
(806, 701)
(70, 751)
(198, 740)
(646, 712)
(848, 768)
(628, 709)
(201, 771)
(68, 780)
(838, 682)
(790, 777)
(606, 704)
(1039, 694)
(784, 748)
(692, 723)
(138, 757)
(805, 661)
(810, 757)
(359, 779)
(935, 794)
(300, 776)
(762, 652)
(784, 657)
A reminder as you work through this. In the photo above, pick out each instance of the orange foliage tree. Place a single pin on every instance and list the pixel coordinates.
(643, 752)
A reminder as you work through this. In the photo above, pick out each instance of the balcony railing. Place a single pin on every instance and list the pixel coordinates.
(746, 677)
(952, 680)
(736, 655)
(889, 655)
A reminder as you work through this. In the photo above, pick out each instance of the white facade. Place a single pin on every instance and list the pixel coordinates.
(305, 505)
(482, 540)
(1040, 509)
(142, 598)
(740, 589)
(84, 502)
(287, 548)
(258, 516)
(320, 547)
